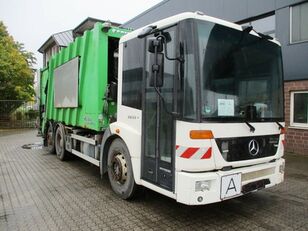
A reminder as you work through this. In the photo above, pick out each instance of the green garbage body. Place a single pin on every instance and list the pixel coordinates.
(73, 86)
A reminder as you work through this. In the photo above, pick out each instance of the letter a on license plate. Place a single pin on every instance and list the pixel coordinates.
(230, 186)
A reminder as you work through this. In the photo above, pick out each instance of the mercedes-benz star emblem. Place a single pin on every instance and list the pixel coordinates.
(253, 147)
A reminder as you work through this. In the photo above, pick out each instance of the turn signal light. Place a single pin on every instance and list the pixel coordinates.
(282, 131)
(201, 134)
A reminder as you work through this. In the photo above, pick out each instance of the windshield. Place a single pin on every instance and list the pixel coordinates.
(241, 75)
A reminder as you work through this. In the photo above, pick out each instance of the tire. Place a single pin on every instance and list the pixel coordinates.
(60, 143)
(120, 171)
(50, 139)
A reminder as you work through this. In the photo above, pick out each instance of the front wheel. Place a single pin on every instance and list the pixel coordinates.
(120, 171)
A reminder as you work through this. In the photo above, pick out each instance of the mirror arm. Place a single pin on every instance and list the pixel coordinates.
(180, 59)
(155, 69)
(174, 114)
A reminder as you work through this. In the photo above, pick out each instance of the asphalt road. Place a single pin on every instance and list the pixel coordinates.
(39, 192)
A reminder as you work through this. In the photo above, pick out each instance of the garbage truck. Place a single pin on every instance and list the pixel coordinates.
(190, 106)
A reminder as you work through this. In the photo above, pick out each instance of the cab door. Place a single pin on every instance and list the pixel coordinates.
(158, 125)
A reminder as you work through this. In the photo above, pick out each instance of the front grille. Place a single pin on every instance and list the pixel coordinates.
(246, 148)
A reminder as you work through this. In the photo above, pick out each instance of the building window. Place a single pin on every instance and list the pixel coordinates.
(265, 25)
(299, 21)
(299, 109)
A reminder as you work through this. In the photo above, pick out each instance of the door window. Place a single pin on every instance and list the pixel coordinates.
(153, 106)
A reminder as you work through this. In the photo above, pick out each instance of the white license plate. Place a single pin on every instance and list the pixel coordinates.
(231, 186)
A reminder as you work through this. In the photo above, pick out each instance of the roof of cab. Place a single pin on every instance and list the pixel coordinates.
(179, 17)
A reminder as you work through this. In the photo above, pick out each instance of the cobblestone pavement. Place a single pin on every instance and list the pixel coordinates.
(39, 192)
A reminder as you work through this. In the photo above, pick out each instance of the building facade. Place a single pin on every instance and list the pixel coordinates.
(287, 20)
(62, 39)
(49, 48)
(54, 44)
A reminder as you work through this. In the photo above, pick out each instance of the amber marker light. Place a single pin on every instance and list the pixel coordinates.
(282, 131)
(201, 134)
(117, 131)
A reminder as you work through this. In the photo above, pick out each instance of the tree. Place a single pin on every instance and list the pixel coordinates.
(16, 70)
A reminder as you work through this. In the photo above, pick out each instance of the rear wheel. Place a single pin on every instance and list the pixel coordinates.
(50, 139)
(60, 143)
(120, 171)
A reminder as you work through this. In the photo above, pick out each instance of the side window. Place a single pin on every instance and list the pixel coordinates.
(188, 100)
(299, 109)
(132, 73)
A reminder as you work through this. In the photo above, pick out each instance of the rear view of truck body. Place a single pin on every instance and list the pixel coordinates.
(77, 80)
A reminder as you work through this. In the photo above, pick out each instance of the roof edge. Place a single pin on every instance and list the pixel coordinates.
(92, 19)
(41, 49)
(145, 12)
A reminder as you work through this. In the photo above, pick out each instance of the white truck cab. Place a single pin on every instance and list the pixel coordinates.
(200, 108)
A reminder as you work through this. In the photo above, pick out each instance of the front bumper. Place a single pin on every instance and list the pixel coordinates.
(188, 189)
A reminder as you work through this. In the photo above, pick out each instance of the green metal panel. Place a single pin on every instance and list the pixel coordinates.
(43, 82)
(92, 50)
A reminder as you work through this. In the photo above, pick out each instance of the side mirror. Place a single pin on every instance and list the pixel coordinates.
(167, 36)
(154, 42)
(157, 73)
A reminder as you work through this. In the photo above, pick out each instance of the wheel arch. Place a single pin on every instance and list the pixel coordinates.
(107, 140)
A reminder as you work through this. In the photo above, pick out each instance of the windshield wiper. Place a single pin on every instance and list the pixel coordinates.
(279, 125)
(252, 128)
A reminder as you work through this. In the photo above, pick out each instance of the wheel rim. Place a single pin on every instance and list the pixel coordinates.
(119, 168)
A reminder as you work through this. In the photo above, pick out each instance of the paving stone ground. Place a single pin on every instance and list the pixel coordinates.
(39, 192)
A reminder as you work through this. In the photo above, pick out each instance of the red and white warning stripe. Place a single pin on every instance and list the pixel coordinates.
(193, 153)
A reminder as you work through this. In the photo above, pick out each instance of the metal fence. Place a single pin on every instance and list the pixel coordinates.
(18, 114)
